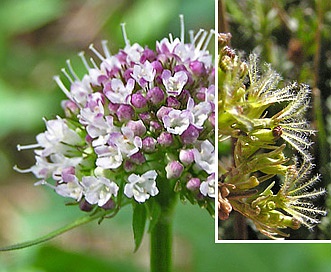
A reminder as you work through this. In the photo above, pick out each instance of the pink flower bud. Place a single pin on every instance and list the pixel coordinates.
(174, 169)
(193, 184)
(165, 139)
(190, 135)
(125, 112)
(186, 156)
(138, 100)
(149, 144)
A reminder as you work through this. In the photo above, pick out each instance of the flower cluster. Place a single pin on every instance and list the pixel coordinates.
(261, 121)
(136, 119)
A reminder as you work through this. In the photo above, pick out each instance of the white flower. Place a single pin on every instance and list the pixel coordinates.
(143, 73)
(71, 189)
(165, 46)
(57, 138)
(80, 90)
(127, 142)
(109, 157)
(52, 167)
(177, 121)
(174, 84)
(208, 187)
(133, 52)
(200, 112)
(141, 187)
(98, 190)
(204, 157)
(119, 93)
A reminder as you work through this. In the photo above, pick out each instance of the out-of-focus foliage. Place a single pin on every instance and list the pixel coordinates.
(295, 37)
(36, 38)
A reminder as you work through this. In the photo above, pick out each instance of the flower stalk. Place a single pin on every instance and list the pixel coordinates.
(161, 237)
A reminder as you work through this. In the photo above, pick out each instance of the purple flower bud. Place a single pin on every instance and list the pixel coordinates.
(145, 117)
(85, 206)
(137, 127)
(127, 74)
(147, 54)
(68, 170)
(157, 66)
(109, 205)
(173, 102)
(125, 112)
(149, 144)
(180, 67)
(197, 68)
(186, 156)
(193, 184)
(113, 107)
(88, 139)
(138, 100)
(201, 94)
(155, 126)
(70, 107)
(190, 135)
(121, 56)
(155, 95)
(184, 96)
(138, 158)
(211, 119)
(174, 169)
(163, 111)
(165, 139)
(128, 166)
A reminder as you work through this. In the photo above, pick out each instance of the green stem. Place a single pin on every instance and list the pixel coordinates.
(53, 234)
(161, 234)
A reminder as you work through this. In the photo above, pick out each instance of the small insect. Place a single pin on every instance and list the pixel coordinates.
(277, 132)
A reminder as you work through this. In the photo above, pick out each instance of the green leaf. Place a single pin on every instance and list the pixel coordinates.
(138, 224)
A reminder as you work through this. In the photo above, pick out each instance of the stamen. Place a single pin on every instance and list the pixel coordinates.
(23, 147)
(197, 36)
(171, 39)
(93, 63)
(62, 87)
(191, 34)
(81, 55)
(106, 49)
(63, 70)
(211, 33)
(40, 182)
(22, 171)
(72, 70)
(44, 182)
(182, 28)
(96, 52)
(126, 40)
(204, 35)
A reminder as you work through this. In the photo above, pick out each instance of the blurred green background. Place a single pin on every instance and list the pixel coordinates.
(36, 37)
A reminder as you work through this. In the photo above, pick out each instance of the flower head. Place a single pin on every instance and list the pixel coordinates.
(128, 122)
